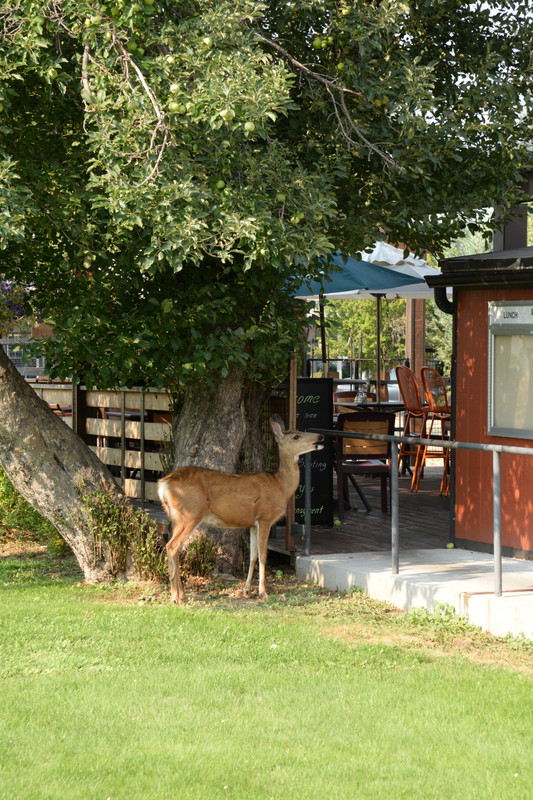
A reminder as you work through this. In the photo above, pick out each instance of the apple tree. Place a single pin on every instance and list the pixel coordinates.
(171, 170)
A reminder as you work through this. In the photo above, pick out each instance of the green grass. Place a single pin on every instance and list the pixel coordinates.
(105, 694)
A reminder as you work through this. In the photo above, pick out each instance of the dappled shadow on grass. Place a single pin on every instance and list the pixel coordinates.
(24, 561)
(352, 617)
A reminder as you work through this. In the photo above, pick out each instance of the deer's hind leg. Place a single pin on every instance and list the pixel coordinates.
(182, 530)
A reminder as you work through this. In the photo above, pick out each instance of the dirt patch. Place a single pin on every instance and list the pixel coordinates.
(11, 547)
(478, 648)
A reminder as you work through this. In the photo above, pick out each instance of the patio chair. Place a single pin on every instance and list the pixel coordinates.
(417, 415)
(437, 398)
(363, 456)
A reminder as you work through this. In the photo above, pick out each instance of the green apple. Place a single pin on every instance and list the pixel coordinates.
(249, 126)
(227, 114)
(220, 184)
(280, 197)
(174, 87)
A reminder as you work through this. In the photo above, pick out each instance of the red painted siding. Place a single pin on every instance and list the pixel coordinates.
(473, 469)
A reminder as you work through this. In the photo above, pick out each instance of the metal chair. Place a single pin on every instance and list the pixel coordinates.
(416, 414)
(437, 398)
(363, 456)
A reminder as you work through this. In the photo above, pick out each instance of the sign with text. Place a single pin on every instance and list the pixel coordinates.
(314, 409)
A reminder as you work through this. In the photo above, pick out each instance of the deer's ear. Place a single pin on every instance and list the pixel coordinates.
(277, 425)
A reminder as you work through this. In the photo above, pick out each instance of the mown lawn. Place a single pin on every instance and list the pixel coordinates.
(114, 693)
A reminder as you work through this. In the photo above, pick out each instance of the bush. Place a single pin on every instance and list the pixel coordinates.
(200, 557)
(18, 518)
(115, 522)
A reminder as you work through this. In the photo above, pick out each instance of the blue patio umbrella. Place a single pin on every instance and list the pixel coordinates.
(346, 278)
(343, 278)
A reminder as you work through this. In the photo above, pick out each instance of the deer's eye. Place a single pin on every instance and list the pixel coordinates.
(296, 437)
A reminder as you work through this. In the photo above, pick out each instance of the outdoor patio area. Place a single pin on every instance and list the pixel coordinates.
(423, 517)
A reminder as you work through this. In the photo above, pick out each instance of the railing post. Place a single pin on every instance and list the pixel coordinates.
(395, 529)
(497, 522)
(307, 518)
(143, 488)
(123, 439)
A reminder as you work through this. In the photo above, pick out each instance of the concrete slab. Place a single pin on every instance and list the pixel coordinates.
(461, 578)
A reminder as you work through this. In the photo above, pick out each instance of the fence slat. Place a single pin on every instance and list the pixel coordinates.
(153, 431)
(153, 401)
(132, 458)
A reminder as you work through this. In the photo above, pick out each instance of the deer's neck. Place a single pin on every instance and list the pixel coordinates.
(289, 473)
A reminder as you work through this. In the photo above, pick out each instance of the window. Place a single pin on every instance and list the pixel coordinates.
(510, 390)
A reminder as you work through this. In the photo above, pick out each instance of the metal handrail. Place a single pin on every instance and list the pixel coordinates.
(495, 449)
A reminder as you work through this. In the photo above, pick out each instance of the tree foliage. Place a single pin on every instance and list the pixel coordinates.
(169, 171)
(355, 321)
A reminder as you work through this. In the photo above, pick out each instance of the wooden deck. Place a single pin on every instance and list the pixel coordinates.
(423, 518)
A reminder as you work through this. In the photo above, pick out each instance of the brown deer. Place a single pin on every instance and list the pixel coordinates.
(255, 500)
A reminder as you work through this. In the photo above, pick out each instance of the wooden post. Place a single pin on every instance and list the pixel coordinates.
(415, 340)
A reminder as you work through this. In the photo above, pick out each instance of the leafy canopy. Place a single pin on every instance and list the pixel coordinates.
(170, 171)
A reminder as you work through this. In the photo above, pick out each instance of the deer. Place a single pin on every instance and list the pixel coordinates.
(255, 500)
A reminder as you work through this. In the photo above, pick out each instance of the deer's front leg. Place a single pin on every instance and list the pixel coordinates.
(263, 531)
(253, 560)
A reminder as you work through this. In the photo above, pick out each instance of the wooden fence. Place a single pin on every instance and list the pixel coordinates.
(128, 429)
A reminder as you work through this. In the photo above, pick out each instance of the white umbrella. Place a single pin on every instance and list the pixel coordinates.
(393, 258)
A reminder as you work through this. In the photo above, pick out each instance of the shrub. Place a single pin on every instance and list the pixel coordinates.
(117, 524)
(18, 518)
(200, 557)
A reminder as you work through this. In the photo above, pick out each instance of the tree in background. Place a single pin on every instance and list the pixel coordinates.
(169, 171)
(356, 319)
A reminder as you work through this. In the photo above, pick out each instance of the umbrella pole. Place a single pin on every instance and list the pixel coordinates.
(378, 340)
(323, 338)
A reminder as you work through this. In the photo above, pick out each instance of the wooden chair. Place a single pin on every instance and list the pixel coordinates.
(416, 414)
(363, 456)
(437, 399)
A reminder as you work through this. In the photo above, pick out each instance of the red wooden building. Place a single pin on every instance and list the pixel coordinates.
(492, 392)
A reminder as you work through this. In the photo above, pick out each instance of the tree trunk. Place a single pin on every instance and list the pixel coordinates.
(221, 429)
(52, 468)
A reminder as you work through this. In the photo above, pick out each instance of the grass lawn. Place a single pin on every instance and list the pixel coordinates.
(114, 693)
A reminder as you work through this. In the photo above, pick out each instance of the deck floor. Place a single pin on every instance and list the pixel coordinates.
(424, 520)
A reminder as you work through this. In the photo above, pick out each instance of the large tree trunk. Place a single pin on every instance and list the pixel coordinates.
(221, 429)
(52, 468)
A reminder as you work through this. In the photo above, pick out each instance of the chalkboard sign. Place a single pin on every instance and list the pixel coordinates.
(314, 409)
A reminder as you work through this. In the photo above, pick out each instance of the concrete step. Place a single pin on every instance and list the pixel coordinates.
(460, 578)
